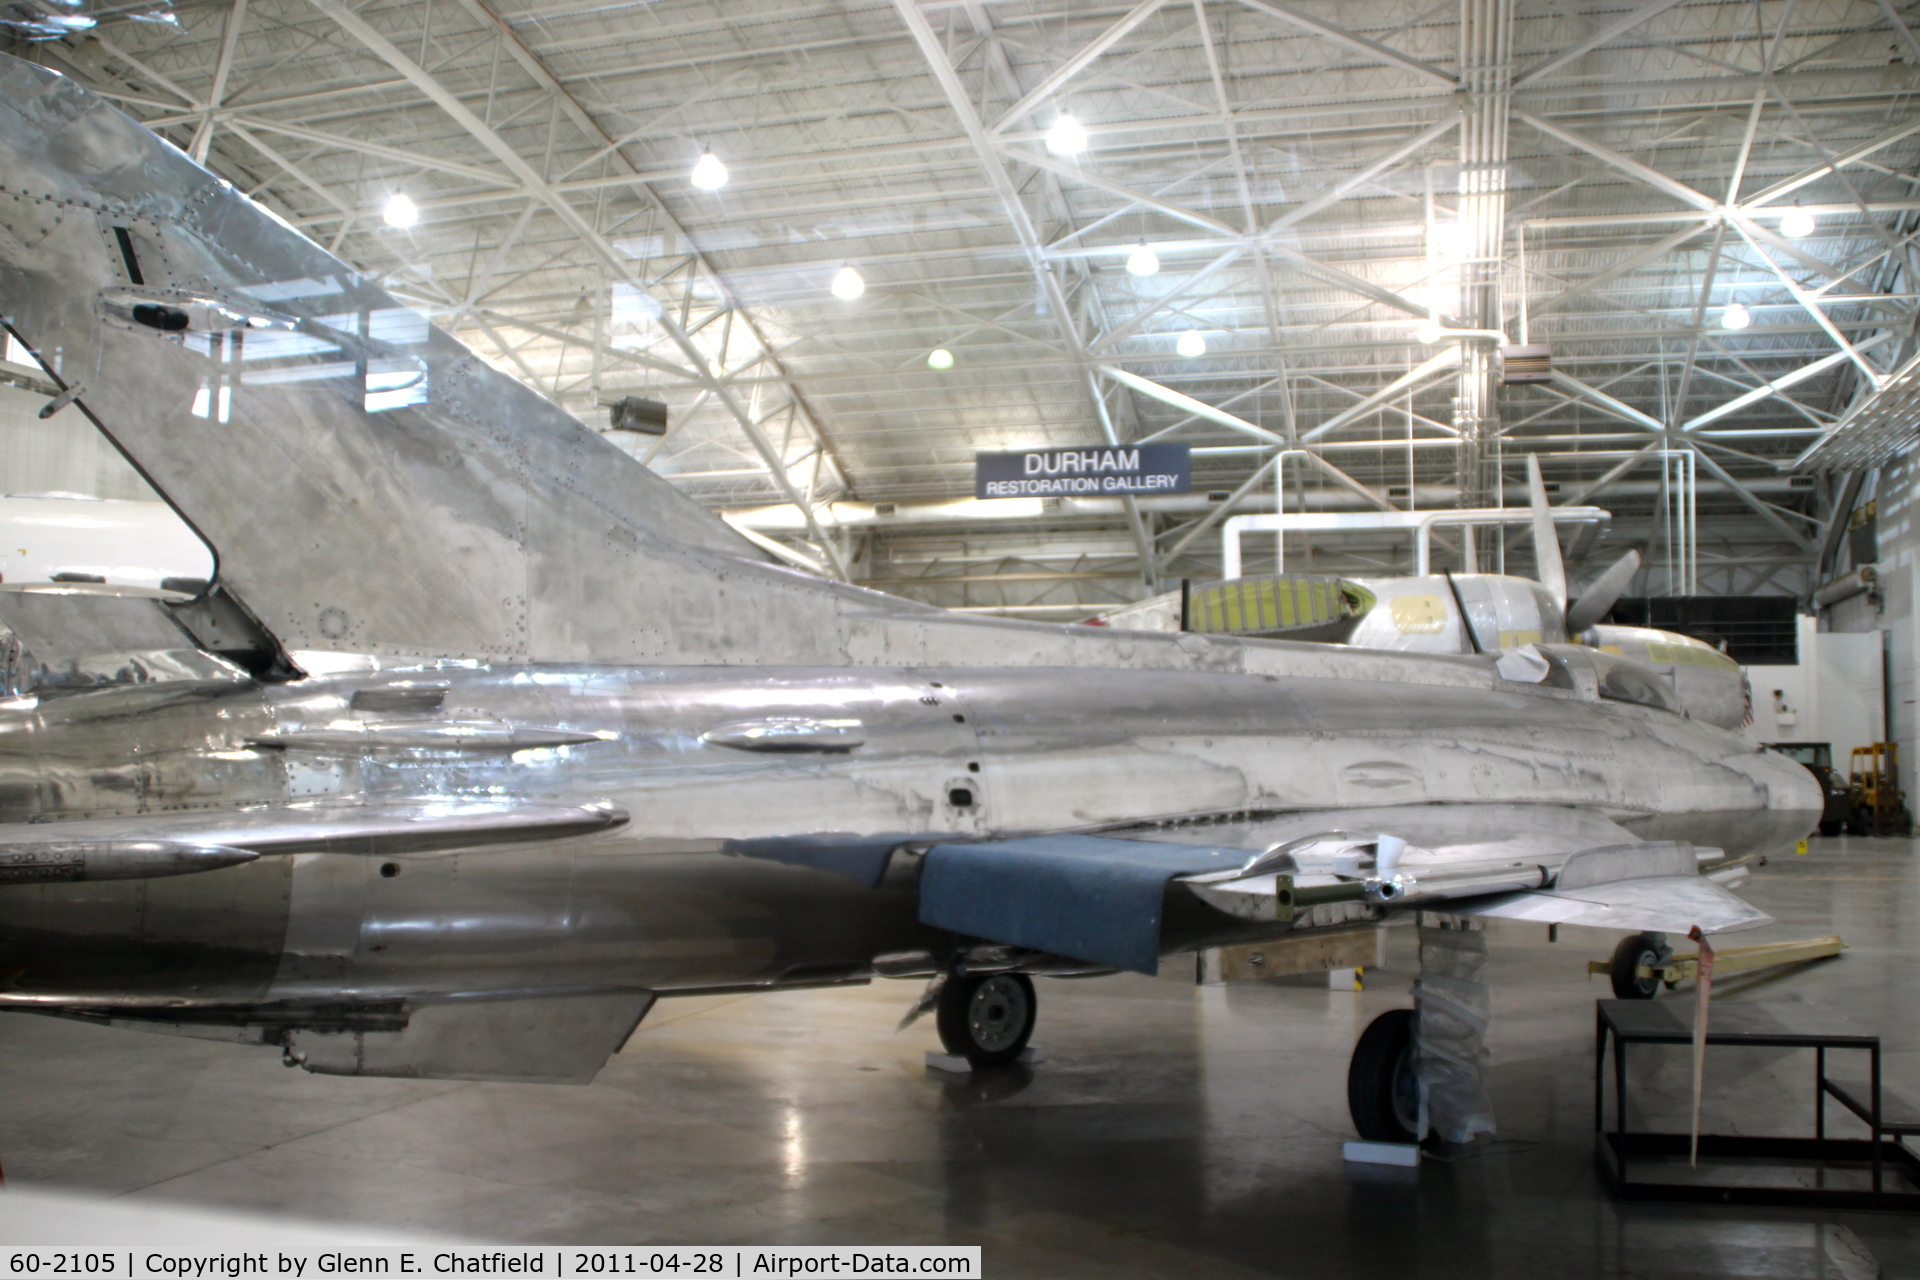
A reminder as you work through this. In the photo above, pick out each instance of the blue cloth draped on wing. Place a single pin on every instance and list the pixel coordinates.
(1090, 898)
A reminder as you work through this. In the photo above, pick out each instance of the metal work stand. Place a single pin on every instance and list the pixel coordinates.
(1876, 1172)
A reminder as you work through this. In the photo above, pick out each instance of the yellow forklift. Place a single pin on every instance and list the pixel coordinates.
(1879, 806)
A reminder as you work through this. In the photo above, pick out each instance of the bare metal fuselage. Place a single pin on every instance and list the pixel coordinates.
(747, 867)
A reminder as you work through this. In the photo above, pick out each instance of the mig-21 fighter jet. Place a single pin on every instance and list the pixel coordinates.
(481, 738)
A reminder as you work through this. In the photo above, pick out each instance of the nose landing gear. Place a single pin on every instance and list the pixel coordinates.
(1636, 952)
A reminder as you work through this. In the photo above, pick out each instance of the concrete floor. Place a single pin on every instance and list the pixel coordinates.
(1173, 1131)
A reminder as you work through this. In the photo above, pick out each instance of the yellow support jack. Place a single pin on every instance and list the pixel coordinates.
(1650, 973)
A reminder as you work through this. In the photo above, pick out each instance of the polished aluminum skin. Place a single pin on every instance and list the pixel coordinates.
(520, 738)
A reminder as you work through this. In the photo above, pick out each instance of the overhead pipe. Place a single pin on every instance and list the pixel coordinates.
(1426, 498)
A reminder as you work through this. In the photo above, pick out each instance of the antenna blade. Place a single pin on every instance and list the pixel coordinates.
(1598, 598)
(1546, 543)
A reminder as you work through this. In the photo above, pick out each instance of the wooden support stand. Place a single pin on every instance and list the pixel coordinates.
(1735, 959)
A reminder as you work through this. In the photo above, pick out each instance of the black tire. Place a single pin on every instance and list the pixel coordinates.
(1635, 950)
(1831, 828)
(1383, 1094)
(987, 1018)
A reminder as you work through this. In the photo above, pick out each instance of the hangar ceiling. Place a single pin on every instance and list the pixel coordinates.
(1324, 186)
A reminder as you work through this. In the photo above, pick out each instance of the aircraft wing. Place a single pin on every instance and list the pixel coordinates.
(1661, 904)
(1123, 899)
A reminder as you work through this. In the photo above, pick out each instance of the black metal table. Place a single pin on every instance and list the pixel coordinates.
(1886, 1158)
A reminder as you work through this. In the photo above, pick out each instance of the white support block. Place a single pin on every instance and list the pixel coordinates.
(1404, 1154)
(955, 1065)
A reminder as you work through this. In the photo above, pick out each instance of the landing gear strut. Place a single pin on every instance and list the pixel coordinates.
(987, 1018)
(1382, 1091)
(1635, 951)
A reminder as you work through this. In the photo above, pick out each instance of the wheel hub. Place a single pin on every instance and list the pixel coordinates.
(997, 1013)
(1406, 1091)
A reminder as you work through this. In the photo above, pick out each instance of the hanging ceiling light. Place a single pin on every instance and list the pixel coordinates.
(940, 358)
(1067, 137)
(1192, 344)
(708, 173)
(400, 211)
(1143, 261)
(1735, 317)
(847, 284)
(1429, 332)
(1796, 224)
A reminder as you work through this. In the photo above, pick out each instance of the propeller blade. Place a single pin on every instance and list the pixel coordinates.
(1598, 598)
(1546, 543)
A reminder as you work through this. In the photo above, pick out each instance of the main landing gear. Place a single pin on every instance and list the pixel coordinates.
(986, 1018)
(1383, 1093)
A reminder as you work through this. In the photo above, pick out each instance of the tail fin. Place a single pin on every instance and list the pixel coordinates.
(365, 482)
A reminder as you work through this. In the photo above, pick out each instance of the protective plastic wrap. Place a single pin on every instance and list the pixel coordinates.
(1455, 1005)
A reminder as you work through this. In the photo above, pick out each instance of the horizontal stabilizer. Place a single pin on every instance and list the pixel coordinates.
(54, 862)
(424, 735)
(552, 1039)
(80, 641)
(413, 826)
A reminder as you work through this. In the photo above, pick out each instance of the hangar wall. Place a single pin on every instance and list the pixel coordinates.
(1889, 495)
(62, 454)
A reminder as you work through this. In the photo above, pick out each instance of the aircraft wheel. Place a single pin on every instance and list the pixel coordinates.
(1831, 828)
(1635, 950)
(1383, 1093)
(987, 1018)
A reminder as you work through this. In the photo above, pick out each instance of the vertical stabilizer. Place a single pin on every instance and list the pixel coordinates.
(365, 482)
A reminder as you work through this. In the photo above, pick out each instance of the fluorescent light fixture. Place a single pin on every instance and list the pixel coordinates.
(847, 284)
(400, 211)
(940, 358)
(1429, 332)
(1796, 224)
(1143, 261)
(1735, 317)
(1191, 344)
(708, 173)
(1067, 136)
